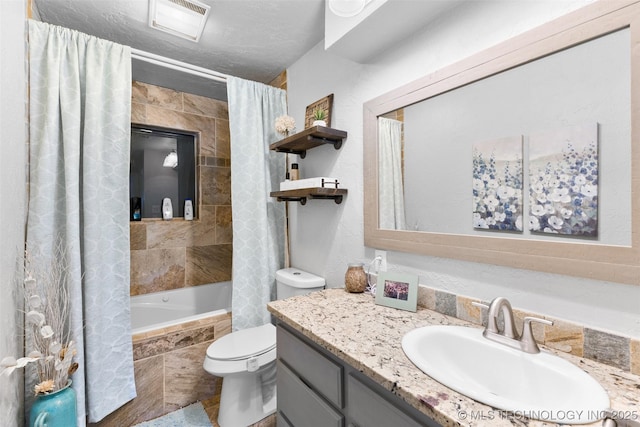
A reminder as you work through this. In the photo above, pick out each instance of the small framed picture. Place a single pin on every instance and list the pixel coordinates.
(397, 290)
(325, 104)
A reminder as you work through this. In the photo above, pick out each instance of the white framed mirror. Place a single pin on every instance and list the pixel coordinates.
(573, 81)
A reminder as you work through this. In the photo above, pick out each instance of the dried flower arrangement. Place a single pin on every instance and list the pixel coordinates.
(46, 297)
(285, 125)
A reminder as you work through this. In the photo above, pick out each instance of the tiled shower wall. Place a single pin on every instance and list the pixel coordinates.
(174, 254)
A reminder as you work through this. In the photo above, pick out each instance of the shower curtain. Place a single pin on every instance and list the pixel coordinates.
(80, 103)
(391, 191)
(258, 220)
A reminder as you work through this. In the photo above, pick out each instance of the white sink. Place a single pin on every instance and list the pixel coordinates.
(539, 386)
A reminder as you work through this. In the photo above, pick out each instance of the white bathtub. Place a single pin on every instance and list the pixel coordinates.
(168, 308)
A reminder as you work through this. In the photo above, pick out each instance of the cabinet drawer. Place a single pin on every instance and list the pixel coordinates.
(369, 409)
(324, 375)
(301, 406)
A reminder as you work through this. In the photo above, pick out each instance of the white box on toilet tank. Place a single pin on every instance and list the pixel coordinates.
(293, 281)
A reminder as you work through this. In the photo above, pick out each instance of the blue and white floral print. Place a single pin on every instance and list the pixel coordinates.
(497, 184)
(563, 177)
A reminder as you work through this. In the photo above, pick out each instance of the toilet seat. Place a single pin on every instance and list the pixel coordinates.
(242, 351)
(244, 344)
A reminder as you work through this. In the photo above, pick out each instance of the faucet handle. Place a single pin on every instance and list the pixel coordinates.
(479, 304)
(528, 342)
(482, 306)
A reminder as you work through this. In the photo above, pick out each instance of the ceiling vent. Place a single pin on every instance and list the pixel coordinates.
(182, 18)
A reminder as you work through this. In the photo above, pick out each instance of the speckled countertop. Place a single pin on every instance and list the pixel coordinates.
(368, 337)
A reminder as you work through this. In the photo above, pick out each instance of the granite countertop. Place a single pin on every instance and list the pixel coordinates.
(368, 337)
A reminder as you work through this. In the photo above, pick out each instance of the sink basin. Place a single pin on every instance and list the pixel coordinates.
(538, 386)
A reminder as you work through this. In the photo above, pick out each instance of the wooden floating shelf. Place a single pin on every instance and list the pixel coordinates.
(302, 194)
(300, 142)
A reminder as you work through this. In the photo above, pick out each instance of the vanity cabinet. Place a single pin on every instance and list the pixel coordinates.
(298, 144)
(317, 389)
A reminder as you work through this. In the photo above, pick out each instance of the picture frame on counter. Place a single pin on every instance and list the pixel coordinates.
(397, 290)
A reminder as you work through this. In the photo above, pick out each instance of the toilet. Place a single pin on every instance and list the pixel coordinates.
(246, 359)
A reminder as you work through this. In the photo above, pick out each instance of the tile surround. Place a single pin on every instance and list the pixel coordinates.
(149, 404)
(191, 383)
(606, 348)
(446, 303)
(613, 350)
(168, 370)
(174, 254)
(154, 270)
(635, 357)
(207, 264)
(565, 336)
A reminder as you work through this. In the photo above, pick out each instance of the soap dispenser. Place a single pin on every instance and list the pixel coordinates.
(167, 209)
(188, 210)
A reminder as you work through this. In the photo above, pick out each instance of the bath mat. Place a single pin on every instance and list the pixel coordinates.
(189, 416)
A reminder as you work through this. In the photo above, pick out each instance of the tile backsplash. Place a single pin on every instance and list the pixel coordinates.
(601, 346)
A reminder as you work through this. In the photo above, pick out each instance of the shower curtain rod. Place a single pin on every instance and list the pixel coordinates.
(152, 58)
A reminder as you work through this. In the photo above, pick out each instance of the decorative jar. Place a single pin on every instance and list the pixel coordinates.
(355, 279)
(56, 409)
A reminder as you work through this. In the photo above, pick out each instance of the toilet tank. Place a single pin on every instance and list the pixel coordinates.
(292, 281)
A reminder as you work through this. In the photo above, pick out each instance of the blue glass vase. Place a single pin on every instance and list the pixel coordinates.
(57, 409)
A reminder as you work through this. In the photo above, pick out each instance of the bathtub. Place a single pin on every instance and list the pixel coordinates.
(168, 308)
(171, 332)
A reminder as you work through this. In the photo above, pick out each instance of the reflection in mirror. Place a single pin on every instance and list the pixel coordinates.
(162, 165)
(575, 77)
(390, 174)
(582, 87)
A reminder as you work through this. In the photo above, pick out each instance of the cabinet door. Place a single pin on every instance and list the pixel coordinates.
(367, 408)
(301, 406)
(282, 421)
(324, 375)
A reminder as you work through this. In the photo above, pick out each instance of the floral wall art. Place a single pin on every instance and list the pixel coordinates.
(563, 178)
(497, 184)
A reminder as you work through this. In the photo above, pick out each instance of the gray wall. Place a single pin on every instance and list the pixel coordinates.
(13, 194)
(325, 237)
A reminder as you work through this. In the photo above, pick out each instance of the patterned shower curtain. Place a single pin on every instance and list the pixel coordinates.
(390, 179)
(258, 220)
(80, 104)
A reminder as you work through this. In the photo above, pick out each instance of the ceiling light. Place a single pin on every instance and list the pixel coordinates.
(182, 18)
(347, 8)
(171, 161)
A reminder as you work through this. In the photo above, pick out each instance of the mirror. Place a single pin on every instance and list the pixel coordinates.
(519, 156)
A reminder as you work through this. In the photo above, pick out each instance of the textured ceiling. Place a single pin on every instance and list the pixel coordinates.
(252, 39)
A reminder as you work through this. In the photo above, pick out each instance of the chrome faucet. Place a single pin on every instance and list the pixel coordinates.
(497, 305)
(509, 335)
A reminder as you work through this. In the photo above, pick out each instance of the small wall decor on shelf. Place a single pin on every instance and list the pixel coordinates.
(300, 142)
(322, 106)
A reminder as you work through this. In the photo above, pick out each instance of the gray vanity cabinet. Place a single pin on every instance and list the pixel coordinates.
(317, 389)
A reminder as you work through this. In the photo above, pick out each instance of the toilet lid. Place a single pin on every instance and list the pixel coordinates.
(243, 344)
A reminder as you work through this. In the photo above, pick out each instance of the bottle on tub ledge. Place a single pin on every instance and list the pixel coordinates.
(167, 209)
(188, 210)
